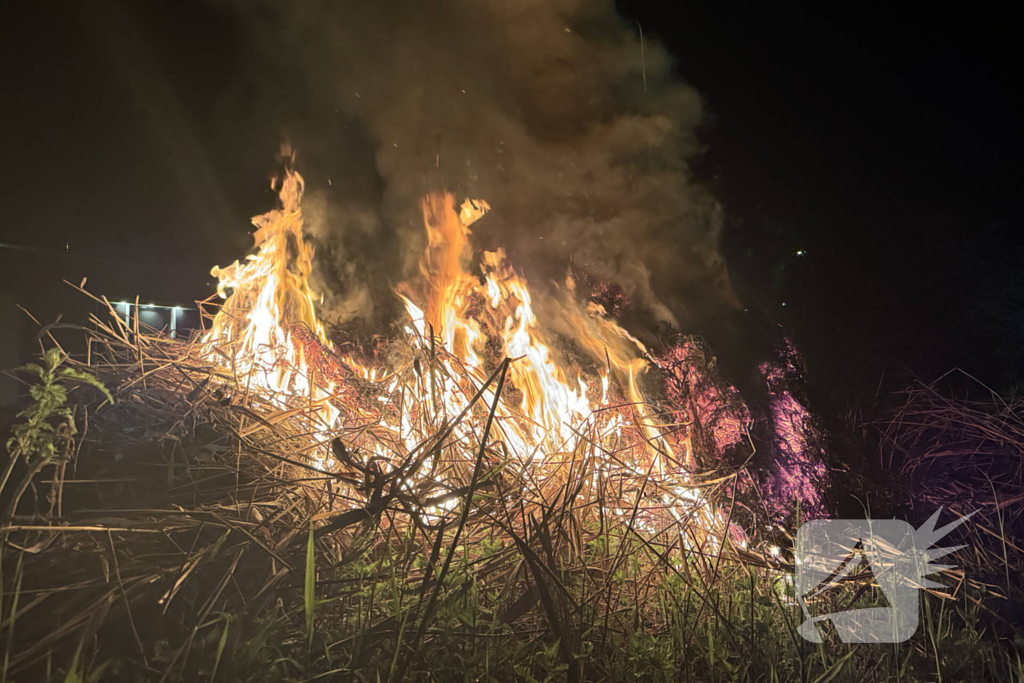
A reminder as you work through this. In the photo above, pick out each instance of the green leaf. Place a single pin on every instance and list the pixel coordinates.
(32, 369)
(218, 544)
(74, 674)
(53, 358)
(835, 669)
(96, 675)
(86, 378)
(309, 595)
(220, 647)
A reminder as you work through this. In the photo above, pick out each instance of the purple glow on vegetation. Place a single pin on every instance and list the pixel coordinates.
(800, 469)
(715, 407)
(798, 465)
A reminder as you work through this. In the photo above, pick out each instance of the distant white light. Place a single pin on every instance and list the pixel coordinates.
(800, 252)
(129, 304)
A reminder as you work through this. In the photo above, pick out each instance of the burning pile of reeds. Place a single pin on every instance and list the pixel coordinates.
(195, 496)
(253, 476)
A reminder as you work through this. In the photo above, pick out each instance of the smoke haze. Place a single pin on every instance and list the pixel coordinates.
(577, 135)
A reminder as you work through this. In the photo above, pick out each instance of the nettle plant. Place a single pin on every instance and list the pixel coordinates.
(45, 430)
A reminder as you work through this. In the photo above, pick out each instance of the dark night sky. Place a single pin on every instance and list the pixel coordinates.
(883, 142)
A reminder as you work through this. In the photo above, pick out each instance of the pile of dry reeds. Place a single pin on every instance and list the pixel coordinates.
(193, 503)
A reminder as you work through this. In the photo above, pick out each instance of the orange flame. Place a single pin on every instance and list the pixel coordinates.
(267, 299)
(554, 406)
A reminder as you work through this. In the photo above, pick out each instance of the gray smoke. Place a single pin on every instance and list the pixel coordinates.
(548, 109)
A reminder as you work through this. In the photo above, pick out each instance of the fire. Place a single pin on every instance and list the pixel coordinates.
(449, 286)
(460, 326)
(269, 309)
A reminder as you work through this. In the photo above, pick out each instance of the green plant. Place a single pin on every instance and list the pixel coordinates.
(46, 428)
(81, 671)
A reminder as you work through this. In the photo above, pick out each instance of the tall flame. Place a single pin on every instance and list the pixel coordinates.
(465, 311)
(269, 310)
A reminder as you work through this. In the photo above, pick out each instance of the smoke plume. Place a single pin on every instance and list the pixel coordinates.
(578, 134)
